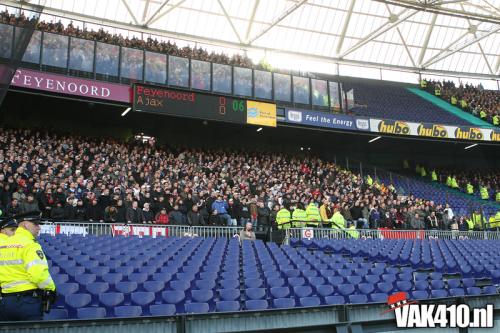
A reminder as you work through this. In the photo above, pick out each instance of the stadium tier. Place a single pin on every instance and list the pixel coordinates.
(100, 277)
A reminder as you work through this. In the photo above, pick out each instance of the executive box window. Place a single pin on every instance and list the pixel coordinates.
(242, 81)
(81, 55)
(222, 78)
(55, 50)
(319, 89)
(131, 67)
(282, 87)
(106, 60)
(200, 75)
(6, 35)
(32, 53)
(263, 84)
(178, 71)
(156, 67)
(301, 90)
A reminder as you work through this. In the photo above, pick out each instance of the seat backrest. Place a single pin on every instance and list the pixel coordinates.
(56, 314)
(142, 298)
(111, 299)
(77, 300)
(260, 304)
(91, 313)
(196, 307)
(281, 303)
(162, 310)
(128, 311)
(227, 306)
(201, 296)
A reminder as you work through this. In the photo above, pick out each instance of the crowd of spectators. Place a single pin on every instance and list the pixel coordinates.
(68, 177)
(476, 100)
(149, 44)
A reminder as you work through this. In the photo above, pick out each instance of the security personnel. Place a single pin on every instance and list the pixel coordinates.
(496, 120)
(369, 180)
(338, 221)
(434, 176)
(497, 198)
(492, 223)
(299, 216)
(313, 216)
(482, 114)
(283, 218)
(454, 100)
(448, 181)
(423, 173)
(484, 193)
(497, 220)
(423, 84)
(470, 224)
(406, 165)
(7, 229)
(463, 103)
(27, 287)
(470, 189)
(477, 220)
(437, 90)
(454, 183)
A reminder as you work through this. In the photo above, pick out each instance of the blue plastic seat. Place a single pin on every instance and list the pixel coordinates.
(173, 296)
(202, 296)
(437, 284)
(405, 277)
(372, 278)
(142, 298)
(280, 292)
(256, 293)
(439, 293)
(162, 310)
(331, 300)
(77, 300)
(275, 282)
(420, 294)
(128, 311)
(302, 291)
(67, 288)
(91, 313)
(126, 287)
(469, 282)
(336, 280)
(358, 299)
(283, 303)
(378, 298)
(421, 285)
(56, 314)
(453, 283)
(138, 277)
(112, 278)
(490, 290)
(124, 270)
(346, 289)
(162, 276)
(354, 279)
(366, 288)
(292, 273)
(254, 283)
(391, 278)
(296, 281)
(324, 290)
(457, 292)
(473, 291)
(229, 294)
(196, 308)
(205, 284)
(316, 280)
(404, 286)
(180, 285)
(97, 288)
(110, 300)
(227, 306)
(309, 301)
(154, 286)
(60, 278)
(230, 284)
(260, 304)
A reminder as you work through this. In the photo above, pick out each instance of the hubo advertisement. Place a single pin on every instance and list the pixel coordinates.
(438, 131)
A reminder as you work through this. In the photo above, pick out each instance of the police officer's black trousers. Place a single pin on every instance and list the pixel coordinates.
(20, 308)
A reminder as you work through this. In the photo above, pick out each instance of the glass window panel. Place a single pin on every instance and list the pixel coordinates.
(81, 55)
(242, 81)
(55, 50)
(131, 63)
(334, 95)
(222, 78)
(282, 87)
(32, 53)
(106, 59)
(200, 75)
(178, 71)
(6, 36)
(300, 90)
(263, 84)
(156, 67)
(319, 92)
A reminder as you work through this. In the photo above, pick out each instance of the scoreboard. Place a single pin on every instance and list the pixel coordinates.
(168, 101)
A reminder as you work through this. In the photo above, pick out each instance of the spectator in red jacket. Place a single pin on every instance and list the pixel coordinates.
(162, 217)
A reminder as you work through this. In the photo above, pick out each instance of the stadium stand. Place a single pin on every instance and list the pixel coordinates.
(482, 103)
(390, 100)
(75, 178)
(257, 275)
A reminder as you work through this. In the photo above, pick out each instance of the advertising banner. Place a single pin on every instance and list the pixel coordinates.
(67, 85)
(438, 131)
(259, 113)
(57, 229)
(141, 231)
(327, 120)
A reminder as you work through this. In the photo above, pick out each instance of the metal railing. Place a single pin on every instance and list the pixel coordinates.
(325, 233)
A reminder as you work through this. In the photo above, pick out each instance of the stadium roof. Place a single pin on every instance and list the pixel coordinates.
(444, 36)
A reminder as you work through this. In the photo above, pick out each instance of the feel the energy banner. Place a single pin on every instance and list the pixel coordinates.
(399, 127)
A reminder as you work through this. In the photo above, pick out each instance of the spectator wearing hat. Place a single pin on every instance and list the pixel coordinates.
(8, 227)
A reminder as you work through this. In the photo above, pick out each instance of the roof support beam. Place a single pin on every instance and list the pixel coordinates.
(277, 20)
(230, 21)
(130, 12)
(401, 17)
(453, 48)
(252, 17)
(145, 11)
(164, 3)
(402, 40)
(159, 16)
(340, 43)
(497, 66)
(427, 39)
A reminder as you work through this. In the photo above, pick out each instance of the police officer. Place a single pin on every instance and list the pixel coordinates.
(283, 218)
(27, 287)
(7, 228)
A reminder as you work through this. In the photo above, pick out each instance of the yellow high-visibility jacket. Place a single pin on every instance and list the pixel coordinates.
(299, 218)
(23, 265)
(283, 218)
